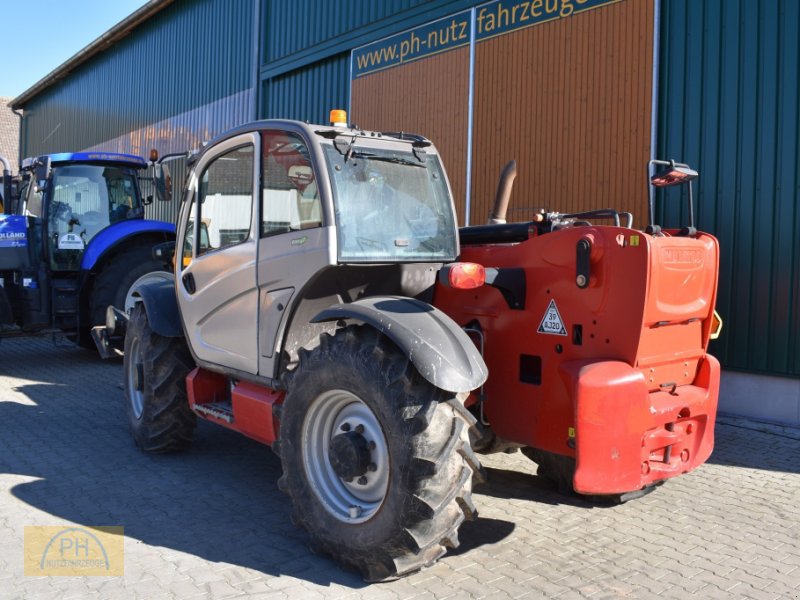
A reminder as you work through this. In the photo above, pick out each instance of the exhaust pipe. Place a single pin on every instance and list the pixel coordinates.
(498, 214)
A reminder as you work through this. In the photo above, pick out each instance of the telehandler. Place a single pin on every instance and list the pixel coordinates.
(315, 269)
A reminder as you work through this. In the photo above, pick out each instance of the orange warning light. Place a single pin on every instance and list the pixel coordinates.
(338, 117)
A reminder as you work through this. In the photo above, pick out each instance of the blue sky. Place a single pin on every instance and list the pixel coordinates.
(38, 36)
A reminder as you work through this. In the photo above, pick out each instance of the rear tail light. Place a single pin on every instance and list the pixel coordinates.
(463, 276)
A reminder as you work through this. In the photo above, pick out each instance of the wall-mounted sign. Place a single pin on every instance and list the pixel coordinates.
(433, 38)
(492, 19)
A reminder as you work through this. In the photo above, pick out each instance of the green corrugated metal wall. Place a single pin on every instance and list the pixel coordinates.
(191, 54)
(305, 48)
(309, 93)
(295, 26)
(728, 105)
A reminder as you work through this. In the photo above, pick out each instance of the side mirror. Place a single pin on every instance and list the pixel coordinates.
(42, 168)
(674, 173)
(162, 180)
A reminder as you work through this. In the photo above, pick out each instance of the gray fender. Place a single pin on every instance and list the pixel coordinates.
(439, 349)
(162, 307)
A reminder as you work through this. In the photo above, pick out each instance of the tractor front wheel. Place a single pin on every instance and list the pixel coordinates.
(376, 460)
(114, 284)
(155, 370)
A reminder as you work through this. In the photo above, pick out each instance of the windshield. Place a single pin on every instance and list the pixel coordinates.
(390, 207)
(85, 199)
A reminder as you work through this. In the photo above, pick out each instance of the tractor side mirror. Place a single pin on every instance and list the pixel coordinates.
(42, 169)
(162, 180)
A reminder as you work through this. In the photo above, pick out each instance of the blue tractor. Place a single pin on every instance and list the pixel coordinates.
(74, 241)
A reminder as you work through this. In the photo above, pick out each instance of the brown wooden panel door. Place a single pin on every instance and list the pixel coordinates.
(429, 97)
(570, 100)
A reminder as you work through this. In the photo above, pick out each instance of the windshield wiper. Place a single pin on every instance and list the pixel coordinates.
(390, 159)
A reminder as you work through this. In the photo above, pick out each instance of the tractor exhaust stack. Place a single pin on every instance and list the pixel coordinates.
(498, 214)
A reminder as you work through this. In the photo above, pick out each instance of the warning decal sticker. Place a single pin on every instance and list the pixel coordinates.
(551, 322)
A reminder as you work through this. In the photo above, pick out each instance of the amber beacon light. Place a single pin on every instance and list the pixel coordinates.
(338, 117)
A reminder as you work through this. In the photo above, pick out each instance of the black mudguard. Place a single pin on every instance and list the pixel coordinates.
(439, 349)
(162, 308)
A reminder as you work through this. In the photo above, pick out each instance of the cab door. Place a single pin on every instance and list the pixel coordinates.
(216, 282)
(295, 237)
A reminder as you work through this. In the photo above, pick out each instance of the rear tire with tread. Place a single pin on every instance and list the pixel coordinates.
(554, 468)
(156, 403)
(559, 471)
(424, 449)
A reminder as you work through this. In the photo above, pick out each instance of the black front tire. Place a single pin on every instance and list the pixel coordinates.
(417, 489)
(112, 285)
(156, 403)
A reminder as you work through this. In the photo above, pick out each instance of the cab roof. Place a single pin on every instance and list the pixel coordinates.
(91, 157)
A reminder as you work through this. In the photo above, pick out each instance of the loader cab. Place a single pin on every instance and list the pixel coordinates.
(74, 196)
(299, 218)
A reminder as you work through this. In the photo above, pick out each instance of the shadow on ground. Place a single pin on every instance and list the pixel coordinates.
(65, 425)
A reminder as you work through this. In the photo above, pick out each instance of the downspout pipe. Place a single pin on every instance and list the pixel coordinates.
(19, 136)
(7, 199)
(6, 182)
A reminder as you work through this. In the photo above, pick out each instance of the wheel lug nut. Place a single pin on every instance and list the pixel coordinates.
(359, 429)
(345, 427)
(372, 467)
(362, 480)
(371, 445)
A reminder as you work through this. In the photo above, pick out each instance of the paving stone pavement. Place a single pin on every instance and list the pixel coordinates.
(211, 523)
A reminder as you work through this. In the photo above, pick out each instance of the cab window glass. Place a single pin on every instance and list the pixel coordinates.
(84, 200)
(32, 195)
(390, 205)
(225, 202)
(290, 197)
(203, 243)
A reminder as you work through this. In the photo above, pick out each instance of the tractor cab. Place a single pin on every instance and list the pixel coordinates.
(73, 241)
(76, 196)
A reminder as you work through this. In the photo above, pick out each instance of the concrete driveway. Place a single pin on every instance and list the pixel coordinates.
(211, 523)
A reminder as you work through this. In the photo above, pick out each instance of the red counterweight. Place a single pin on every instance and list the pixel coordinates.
(595, 338)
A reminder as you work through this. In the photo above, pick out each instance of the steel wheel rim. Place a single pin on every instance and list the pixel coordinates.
(354, 501)
(136, 396)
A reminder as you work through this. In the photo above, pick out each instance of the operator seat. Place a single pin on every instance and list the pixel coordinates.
(308, 208)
